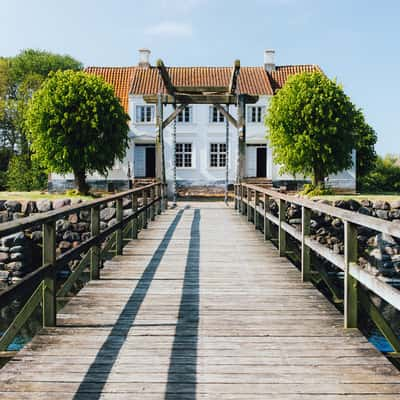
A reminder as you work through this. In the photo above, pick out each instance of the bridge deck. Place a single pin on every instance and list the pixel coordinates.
(199, 308)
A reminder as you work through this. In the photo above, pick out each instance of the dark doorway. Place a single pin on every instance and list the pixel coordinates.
(150, 162)
(261, 162)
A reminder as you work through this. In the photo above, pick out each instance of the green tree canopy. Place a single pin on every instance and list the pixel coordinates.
(77, 124)
(313, 127)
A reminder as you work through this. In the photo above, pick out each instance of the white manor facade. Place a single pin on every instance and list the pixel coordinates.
(202, 152)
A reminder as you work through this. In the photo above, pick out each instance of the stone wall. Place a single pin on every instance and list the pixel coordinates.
(378, 252)
(21, 253)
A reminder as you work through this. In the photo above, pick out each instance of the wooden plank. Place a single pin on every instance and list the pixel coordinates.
(234, 77)
(199, 306)
(165, 77)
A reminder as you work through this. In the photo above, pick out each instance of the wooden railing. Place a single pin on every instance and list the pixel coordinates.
(254, 202)
(41, 285)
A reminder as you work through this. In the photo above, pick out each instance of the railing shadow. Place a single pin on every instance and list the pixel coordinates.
(91, 382)
(182, 372)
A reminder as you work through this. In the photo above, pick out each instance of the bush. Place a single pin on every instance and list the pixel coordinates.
(25, 174)
(311, 190)
(384, 177)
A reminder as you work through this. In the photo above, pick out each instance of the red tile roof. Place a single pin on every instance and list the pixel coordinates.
(119, 77)
(141, 81)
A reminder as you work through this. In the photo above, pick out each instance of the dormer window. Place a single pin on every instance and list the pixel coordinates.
(215, 115)
(144, 114)
(185, 116)
(255, 114)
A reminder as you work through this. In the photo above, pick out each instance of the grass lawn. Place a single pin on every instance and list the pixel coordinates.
(36, 195)
(364, 196)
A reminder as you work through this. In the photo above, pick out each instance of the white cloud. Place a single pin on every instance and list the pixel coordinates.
(170, 28)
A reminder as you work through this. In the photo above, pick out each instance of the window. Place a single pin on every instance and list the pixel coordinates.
(183, 155)
(217, 154)
(255, 114)
(144, 114)
(216, 115)
(185, 116)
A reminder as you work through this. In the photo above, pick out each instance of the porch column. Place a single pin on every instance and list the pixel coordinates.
(160, 162)
(241, 160)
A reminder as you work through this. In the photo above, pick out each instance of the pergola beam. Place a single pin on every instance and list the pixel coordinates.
(201, 89)
(165, 77)
(234, 76)
(173, 115)
(201, 99)
(227, 115)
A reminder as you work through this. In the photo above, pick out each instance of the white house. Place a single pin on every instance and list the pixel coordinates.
(201, 157)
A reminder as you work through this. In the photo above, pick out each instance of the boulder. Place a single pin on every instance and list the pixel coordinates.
(64, 246)
(29, 207)
(16, 256)
(84, 215)
(63, 225)
(382, 214)
(17, 249)
(126, 202)
(112, 222)
(81, 227)
(18, 215)
(381, 205)
(394, 205)
(366, 203)
(37, 236)
(4, 257)
(103, 225)
(107, 214)
(73, 218)
(4, 216)
(13, 206)
(44, 205)
(71, 236)
(15, 266)
(85, 236)
(365, 211)
(59, 203)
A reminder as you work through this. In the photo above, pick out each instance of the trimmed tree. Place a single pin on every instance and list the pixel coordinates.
(77, 124)
(313, 127)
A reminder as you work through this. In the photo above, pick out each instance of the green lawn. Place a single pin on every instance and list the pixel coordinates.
(364, 196)
(36, 195)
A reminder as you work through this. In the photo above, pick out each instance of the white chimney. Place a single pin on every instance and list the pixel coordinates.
(144, 58)
(269, 60)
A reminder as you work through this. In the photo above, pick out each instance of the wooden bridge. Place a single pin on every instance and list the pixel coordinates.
(199, 306)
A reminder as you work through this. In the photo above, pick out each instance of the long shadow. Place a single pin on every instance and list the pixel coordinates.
(105, 359)
(182, 371)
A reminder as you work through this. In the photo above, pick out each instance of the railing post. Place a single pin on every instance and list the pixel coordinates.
(118, 233)
(49, 306)
(152, 207)
(159, 197)
(165, 195)
(135, 219)
(145, 211)
(95, 250)
(282, 233)
(248, 205)
(350, 283)
(267, 222)
(256, 216)
(244, 204)
(305, 250)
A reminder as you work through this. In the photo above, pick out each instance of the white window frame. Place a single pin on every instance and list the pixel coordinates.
(220, 116)
(259, 114)
(188, 109)
(218, 152)
(183, 152)
(138, 113)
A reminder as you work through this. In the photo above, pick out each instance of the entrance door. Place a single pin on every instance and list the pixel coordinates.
(261, 162)
(150, 162)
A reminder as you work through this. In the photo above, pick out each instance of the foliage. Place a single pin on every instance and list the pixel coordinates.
(20, 77)
(384, 177)
(312, 127)
(25, 174)
(311, 190)
(77, 124)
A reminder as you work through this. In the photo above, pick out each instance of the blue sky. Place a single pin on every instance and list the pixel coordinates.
(357, 41)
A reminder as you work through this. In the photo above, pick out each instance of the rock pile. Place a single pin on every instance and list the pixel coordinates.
(378, 252)
(21, 253)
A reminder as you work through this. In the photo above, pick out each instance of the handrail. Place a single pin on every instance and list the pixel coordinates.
(154, 201)
(247, 200)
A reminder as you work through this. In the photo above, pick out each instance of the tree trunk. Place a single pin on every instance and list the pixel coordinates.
(318, 178)
(80, 182)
